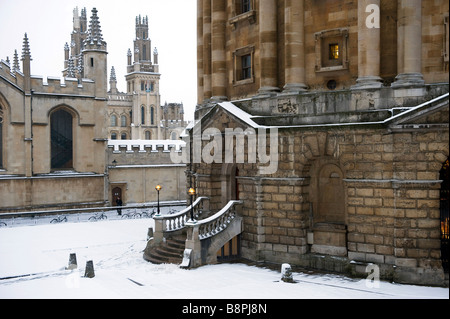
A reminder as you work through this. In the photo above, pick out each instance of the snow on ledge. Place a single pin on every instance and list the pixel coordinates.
(142, 144)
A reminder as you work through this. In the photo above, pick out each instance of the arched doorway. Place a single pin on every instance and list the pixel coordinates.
(329, 217)
(444, 207)
(61, 136)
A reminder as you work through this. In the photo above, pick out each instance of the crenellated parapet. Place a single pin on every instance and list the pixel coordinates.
(145, 146)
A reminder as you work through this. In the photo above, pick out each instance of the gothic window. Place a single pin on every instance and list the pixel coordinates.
(148, 135)
(145, 52)
(123, 136)
(113, 120)
(61, 123)
(152, 115)
(142, 115)
(114, 136)
(123, 121)
(1, 137)
(173, 136)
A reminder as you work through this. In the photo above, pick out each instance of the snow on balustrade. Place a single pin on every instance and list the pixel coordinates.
(173, 222)
(143, 145)
(213, 225)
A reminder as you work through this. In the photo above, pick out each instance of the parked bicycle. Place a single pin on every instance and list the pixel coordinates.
(98, 216)
(131, 215)
(59, 219)
(148, 214)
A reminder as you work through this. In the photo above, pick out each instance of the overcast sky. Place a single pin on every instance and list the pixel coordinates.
(48, 23)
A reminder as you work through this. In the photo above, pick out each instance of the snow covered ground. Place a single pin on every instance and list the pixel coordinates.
(34, 257)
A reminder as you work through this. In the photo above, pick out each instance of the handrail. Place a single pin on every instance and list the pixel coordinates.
(177, 221)
(213, 225)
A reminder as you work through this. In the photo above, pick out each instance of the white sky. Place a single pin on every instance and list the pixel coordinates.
(48, 23)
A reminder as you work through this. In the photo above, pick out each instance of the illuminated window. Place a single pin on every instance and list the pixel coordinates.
(334, 51)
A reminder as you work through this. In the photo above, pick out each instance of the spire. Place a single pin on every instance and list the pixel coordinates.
(71, 68)
(26, 48)
(16, 66)
(95, 37)
(113, 75)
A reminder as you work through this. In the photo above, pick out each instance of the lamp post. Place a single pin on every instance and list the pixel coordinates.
(191, 192)
(158, 188)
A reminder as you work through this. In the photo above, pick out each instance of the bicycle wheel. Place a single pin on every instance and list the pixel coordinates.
(54, 221)
(92, 219)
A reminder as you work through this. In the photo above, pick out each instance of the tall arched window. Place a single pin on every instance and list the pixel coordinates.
(1, 137)
(142, 115)
(152, 115)
(123, 121)
(61, 123)
(113, 120)
(148, 135)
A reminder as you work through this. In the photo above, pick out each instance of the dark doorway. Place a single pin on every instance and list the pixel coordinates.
(61, 140)
(445, 197)
(116, 193)
(230, 251)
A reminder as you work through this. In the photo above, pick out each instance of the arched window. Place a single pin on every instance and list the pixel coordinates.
(173, 136)
(61, 123)
(113, 120)
(152, 115)
(114, 136)
(123, 136)
(123, 121)
(143, 115)
(1, 137)
(148, 135)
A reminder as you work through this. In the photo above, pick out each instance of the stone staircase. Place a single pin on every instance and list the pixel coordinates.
(168, 252)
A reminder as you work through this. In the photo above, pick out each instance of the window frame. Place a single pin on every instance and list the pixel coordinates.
(238, 69)
(323, 41)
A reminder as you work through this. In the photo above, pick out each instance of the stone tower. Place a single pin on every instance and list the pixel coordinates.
(143, 83)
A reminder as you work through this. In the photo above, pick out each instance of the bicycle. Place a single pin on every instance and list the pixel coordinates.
(98, 216)
(131, 215)
(147, 214)
(59, 219)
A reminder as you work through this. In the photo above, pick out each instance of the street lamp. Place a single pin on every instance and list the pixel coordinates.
(158, 188)
(191, 192)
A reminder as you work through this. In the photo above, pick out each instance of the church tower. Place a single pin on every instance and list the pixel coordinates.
(95, 56)
(143, 84)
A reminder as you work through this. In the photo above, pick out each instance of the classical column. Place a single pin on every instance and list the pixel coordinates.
(218, 60)
(207, 50)
(294, 47)
(199, 52)
(409, 44)
(368, 45)
(268, 47)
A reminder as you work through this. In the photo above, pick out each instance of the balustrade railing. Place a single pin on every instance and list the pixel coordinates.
(213, 225)
(177, 221)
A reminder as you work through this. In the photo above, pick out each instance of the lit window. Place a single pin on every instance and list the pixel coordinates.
(334, 51)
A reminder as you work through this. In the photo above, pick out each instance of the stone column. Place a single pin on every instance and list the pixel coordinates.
(409, 44)
(199, 52)
(294, 47)
(268, 47)
(368, 47)
(218, 60)
(206, 50)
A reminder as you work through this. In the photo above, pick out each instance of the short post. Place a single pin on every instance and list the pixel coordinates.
(89, 272)
(286, 273)
(72, 262)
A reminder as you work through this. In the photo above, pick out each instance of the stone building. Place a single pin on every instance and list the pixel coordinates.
(352, 97)
(137, 114)
(56, 148)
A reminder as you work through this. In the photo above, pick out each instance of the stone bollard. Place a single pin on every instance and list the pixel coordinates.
(72, 262)
(89, 272)
(286, 273)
